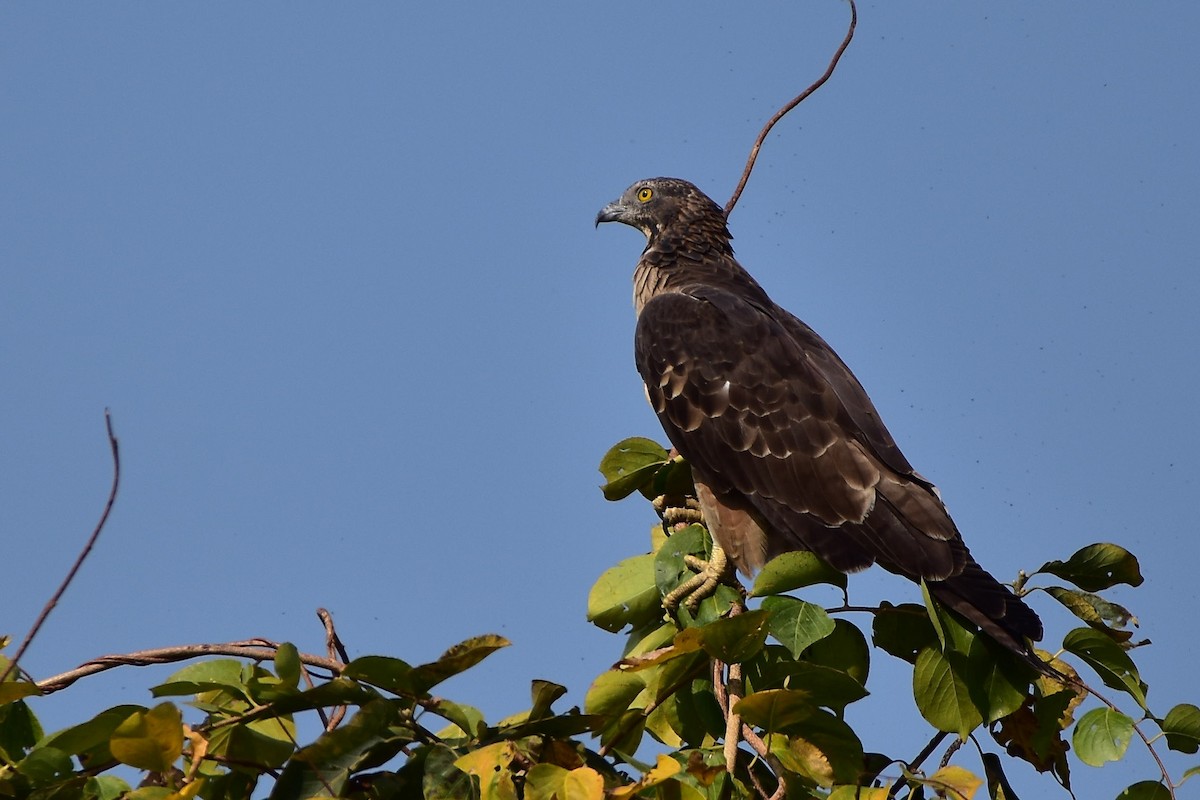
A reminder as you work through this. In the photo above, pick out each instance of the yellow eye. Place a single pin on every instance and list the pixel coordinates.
(645, 193)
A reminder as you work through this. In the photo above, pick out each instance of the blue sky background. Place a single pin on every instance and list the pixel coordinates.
(333, 269)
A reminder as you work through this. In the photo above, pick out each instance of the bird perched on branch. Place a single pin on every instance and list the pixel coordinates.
(787, 451)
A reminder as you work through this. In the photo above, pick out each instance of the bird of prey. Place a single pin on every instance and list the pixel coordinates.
(787, 451)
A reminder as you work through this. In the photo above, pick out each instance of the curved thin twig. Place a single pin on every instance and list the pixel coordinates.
(255, 649)
(797, 100)
(83, 554)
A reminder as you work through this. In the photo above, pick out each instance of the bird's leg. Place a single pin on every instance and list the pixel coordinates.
(709, 575)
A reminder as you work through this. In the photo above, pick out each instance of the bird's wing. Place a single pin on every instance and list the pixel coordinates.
(777, 420)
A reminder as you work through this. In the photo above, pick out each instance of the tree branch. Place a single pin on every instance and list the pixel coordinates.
(797, 100)
(254, 649)
(83, 554)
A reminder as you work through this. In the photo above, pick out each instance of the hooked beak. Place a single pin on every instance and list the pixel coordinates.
(613, 212)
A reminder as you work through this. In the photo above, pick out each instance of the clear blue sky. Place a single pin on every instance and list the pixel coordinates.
(333, 269)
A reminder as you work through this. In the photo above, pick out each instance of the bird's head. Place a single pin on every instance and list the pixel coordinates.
(655, 204)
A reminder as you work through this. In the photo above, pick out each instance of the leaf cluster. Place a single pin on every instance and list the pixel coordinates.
(745, 697)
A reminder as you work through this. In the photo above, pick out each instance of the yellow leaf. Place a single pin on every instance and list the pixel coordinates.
(491, 766)
(189, 791)
(959, 783)
(665, 769)
(858, 793)
(583, 783)
(150, 740)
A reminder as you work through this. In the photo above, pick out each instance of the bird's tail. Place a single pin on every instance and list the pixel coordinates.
(998, 612)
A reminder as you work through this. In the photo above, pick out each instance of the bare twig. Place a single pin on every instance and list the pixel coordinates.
(255, 649)
(336, 650)
(915, 764)
(83, 554)
(332, 643)
(797, 100)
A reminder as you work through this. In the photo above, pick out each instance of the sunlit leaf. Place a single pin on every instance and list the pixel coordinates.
(777, 709)
(1097, 612)
(202, 676)
(150, 740)
(956, 782)
(287, 665)
(625, 595)
(942, 697)
(1096, 567)
(823, 748)
(457, 659)
(1111, 663)
(859, 793)
(545, 782)
(794, 570)
(1102, 735)
(629, 465)
(732, 639)
(1182, 727)
(491, 765)
(795, 623)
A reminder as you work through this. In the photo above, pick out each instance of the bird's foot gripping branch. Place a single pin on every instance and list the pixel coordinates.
(751, 689)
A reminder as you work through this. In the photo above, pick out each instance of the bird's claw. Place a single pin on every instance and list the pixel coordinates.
(709, 575)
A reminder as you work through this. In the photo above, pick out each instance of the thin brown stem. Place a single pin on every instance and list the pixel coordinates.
(797, 100)
(83, 554)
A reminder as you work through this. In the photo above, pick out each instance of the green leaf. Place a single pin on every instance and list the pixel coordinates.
(44, 766)
(844, 650)
(545, 782)
(268, 743)
(287, 665)
(777, 709)
(829, 687)
(1095, 611)
(942, 697)
(1182, 727)
(1111, 663)
(105, 787)
(204, 676)
(1096, 567)
(732, 639)
(458, 659)
(997, 680)
(612, 692)
(794, 570)
(625, 595)
(825, 749)
(670, 568)
(15, 690)
(1102, 735)
(629, 465)
(1145, 790)
(327, 763)
(150, 740)
(903, 630)
(997, 781)
(19, 730)
(795, 623)
(389, 674)
(440, 780)
(91, 737)
(468, 719)
(543, 694)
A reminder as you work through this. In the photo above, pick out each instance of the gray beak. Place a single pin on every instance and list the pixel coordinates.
(613, 212)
